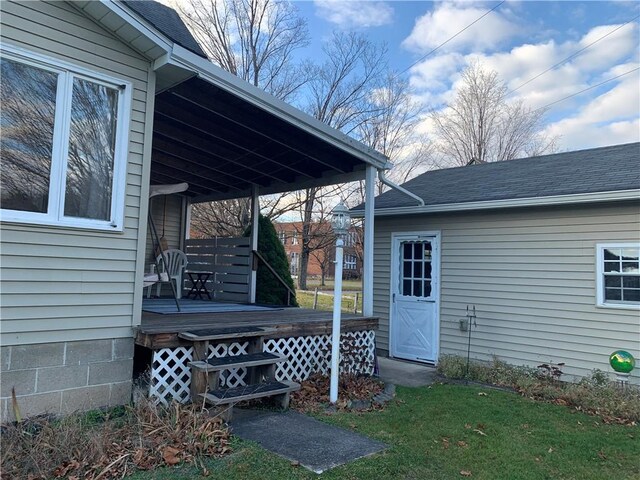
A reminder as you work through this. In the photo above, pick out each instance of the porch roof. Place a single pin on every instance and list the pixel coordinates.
(217, 132)
(222, 145)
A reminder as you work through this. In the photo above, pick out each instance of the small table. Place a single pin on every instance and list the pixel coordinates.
(198, 284)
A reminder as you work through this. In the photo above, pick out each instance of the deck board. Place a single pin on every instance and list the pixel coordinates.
(160, 331)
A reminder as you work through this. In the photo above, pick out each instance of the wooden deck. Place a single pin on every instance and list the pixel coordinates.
(161, 331)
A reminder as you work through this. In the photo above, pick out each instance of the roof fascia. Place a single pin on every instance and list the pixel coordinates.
(143, 27)
(577, 198)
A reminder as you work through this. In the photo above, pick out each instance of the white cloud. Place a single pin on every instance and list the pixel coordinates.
(610, 49)
(609, 118)
(355, 14)
(447, 19)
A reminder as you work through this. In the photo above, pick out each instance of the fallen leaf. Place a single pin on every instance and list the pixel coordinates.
(602, 455)
(480, 432)
(295, 463)
(170, 455)
(465, 473)
(526, 425)
(482, 394)
(481, 426)
(462, 443)
(550, 450)
(445, 443)
(538, 459)
(467, 425)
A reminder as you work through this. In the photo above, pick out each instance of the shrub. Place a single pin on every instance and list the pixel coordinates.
(97, 445)
(594, 394)
(269, 291)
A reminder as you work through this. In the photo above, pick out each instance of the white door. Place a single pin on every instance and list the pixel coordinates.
(414, 319)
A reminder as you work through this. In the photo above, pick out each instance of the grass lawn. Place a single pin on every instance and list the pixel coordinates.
(325, 301)
(434, 433)
(347, 285)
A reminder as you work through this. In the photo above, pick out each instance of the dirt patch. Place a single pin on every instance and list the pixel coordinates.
(355, 392)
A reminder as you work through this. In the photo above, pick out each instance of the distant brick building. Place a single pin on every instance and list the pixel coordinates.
(323, 245)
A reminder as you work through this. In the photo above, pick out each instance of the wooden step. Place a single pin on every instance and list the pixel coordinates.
(238, 361)
(225, 333)
(223, 396)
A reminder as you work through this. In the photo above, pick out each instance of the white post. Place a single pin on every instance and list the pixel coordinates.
(255, 214)
(367, 267)
(335, 331)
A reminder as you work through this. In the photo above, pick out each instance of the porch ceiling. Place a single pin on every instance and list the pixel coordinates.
(222, 145)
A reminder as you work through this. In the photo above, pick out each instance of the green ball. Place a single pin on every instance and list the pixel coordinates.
(622, 361)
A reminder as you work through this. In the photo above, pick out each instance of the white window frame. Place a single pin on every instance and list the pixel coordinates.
(294, 259)
(600, 301)
(350, 262)
(294, 238)
(62, 121)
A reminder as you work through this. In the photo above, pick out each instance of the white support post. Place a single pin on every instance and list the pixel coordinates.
(335, 331)
(367, 267)
(255, 213)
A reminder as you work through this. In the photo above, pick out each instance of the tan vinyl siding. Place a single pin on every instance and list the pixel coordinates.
(531, 273)
(167, 216)
(64, 284)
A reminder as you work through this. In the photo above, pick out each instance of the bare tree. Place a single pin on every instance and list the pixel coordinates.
(393, 132)
(339, 94)
(230, 218)
(253, 39)
(482, 125)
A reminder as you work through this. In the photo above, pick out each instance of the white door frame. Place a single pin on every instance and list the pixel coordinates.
(436, 235)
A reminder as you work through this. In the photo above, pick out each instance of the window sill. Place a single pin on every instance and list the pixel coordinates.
(618, 306)
(64, 225)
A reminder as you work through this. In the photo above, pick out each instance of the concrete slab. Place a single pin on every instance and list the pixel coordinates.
(299, 438)
(407, 374)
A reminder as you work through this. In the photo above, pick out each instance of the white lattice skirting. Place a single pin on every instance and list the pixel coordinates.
(171, 375)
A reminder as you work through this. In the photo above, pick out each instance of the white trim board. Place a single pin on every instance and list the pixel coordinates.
(577, 198)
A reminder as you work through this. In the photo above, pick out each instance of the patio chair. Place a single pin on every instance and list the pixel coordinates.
(176, 262)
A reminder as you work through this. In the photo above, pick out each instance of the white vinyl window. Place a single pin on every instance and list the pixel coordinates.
(349, 262)
(293, 263)
(618, 275)
(283, 237)
(64, 143)
(294, 238)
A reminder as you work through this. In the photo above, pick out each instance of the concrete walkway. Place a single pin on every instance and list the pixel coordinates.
(407, 374)
(313, 444)
(316, 445)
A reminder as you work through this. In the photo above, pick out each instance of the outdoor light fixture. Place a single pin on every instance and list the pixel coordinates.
(340, 223)
(340, 219)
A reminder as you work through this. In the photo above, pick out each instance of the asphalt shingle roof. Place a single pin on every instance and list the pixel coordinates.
(602, 169)
(167, 21)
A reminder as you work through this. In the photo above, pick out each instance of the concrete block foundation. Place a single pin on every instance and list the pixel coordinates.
(65, 377)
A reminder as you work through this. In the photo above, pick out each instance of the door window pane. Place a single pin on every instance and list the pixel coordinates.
(27, 115)
(416, 269)
(91, 150)
(427, 288)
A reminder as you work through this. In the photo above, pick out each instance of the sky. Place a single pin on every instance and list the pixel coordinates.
(592, 42)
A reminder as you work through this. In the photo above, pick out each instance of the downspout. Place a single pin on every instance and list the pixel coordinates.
(395, 186)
